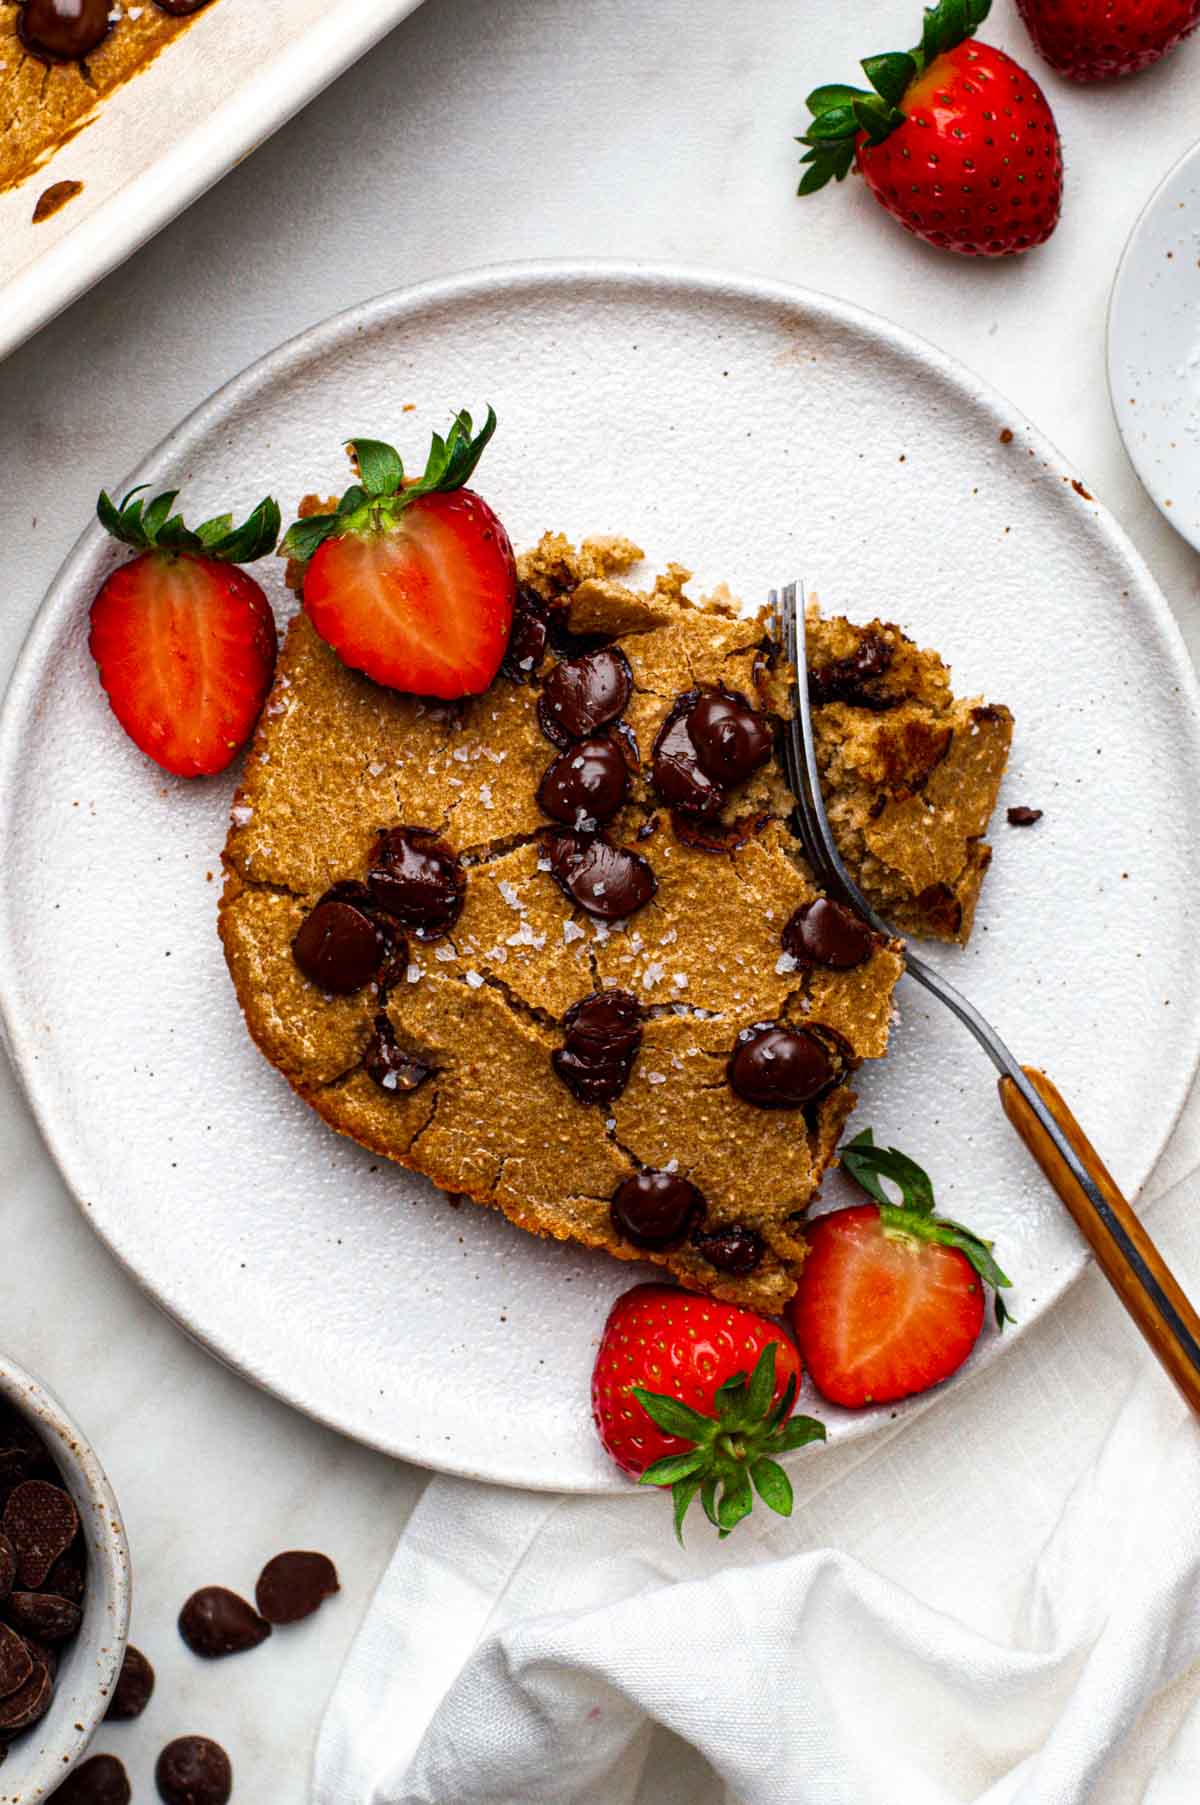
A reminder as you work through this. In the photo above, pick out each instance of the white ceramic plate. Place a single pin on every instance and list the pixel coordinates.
(1154, 346)
(756, 432)
(227, 83)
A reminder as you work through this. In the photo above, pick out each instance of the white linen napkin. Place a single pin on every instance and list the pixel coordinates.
(980, 1608)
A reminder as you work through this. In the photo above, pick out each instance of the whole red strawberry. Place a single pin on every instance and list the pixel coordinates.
(1091, 40)
(890, 1299)
(413, 583)
(955, 139)
(183, 639)
(696, 1395)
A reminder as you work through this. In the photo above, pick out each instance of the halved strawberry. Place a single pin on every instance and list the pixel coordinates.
(890, 1299)
(185, 641)
(413, 583)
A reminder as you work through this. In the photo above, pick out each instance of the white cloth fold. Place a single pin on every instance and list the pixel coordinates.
(982, 1608)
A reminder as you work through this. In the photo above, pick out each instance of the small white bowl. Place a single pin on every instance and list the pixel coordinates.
(40, 1757)
(1154, 346)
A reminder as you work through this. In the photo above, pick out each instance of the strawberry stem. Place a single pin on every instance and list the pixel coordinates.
(153, 527)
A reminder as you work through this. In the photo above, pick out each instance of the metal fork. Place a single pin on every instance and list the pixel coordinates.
(1128, 1257)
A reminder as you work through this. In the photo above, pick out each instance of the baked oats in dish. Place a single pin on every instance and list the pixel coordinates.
(554, 946)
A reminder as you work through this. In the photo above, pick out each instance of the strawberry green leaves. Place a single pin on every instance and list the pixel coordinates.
(151, 526)
(733, 1452)
(840, 113)
(868, 1164)
(375, 502)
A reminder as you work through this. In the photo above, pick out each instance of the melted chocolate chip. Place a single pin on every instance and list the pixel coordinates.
(194, 1770)
(676, 772)
(853, 679)
(62, 31)
(292, 1585)
(134, 1687)
(777, 1067)
(418, 880)
(732, 741)
(581, 694)
(527, 640)
(100, 1780)
(652, 1209)
(1022, 816)
(827, 933)
(731, 1248)
(388, 1065)
(43, 1615)
(338, 947)
(585, 784)
(215, 1622)
(608, 881)
(602, 1035)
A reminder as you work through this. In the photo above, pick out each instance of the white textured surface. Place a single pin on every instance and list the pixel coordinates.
(1154, 347)
(340, 1274)
(482, 131)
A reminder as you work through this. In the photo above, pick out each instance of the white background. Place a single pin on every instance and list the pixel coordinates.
(477, 133)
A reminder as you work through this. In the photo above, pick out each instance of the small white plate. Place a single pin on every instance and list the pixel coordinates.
(758, 433)
(1154, 347)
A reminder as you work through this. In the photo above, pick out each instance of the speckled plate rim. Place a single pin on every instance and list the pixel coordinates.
(20, 704)
(1129, 271)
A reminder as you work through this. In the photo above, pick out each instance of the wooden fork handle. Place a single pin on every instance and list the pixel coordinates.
(1126, 1254)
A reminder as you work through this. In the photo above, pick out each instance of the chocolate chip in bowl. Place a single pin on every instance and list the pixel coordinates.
(64, 1594)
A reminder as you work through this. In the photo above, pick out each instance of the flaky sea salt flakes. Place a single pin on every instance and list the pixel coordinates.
(375, 768)
(456, 781)
(485, 794)
(572, 931)
(784, 964)
(672, 1165)
(611, 1123)
(543, 864)
(474, 980)
(511, 895)
(656, 1077)
(653, 974)
(445, 954)
(670, 937)
(461, 754)
(525, 936)
(680, 980)
(635, 941)
(413, 974)
(241, 814)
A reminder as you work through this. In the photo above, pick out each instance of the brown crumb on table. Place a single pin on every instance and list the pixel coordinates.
(51, 199)
(1006, 435)
(1023, 817)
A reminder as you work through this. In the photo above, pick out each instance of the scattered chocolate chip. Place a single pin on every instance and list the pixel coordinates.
(65, 1578)
(8, 1566)
(193, 1770)
(30, 1701)
(52, 199)
(608, 881)
(100, 1780)
(827, 933)
(134, 1687)
(676, 771)
(215, 1622)
(732, 740)
(602, 1034)
(527, 641)
(652, 1209)
(43, 1615)
(338, 947)
(40, 1520)
(1023, 817)
(388, 1065)
(16, 1662)
(417, 879)
(292, 1585)
(777, 1067)
(585, 784)
(581, 694)
(731, 1248)
(62, 31)
(853, 679)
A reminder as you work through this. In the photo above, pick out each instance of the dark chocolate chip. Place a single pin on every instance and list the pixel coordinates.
(100, 1780)
(62, 31)
(338, 947)
(527, 641)
(8, 1566)
(134, 1687)
(732, 740)
(44, 1652)
(216, 1622)
(66, 1577)
(581, 694)
(777, 1067)
(854, 678)
(827, 933)
(40, 1520)
(43, 1615)
(292, 1585)
(652, 1209)
(193, 1770)
(392, 1069)
(20, 1449)
(676, 771)
(585, 784)
(602, 1034)
(30, 1701)
(732, 1248)
(707, 835)
(418, 880)
(608, 881)
(1022, 816)
(180, 9)
(16, 1662)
